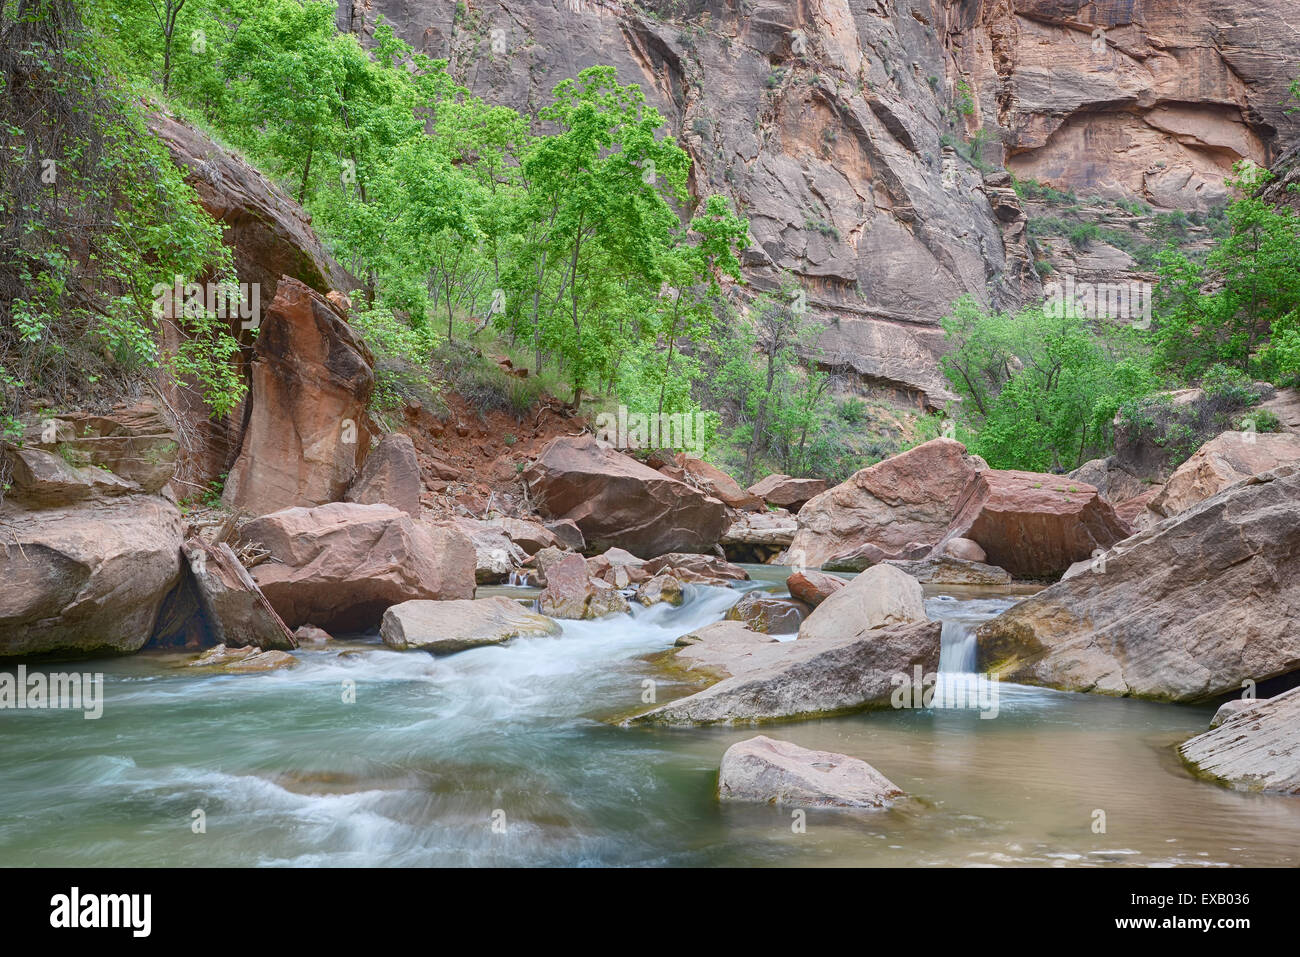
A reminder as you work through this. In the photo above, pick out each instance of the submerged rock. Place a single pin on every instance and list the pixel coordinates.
(243, 660)
(443, 627)
(770, 771)
(1185, 611)
(1257, 750)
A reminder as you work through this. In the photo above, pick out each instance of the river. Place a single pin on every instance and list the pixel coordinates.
(500, 756)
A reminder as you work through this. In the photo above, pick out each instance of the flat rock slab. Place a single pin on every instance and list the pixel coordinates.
(766, 770)
(1258, 749)
(763, 679)
(443, 627)
(1185, 611)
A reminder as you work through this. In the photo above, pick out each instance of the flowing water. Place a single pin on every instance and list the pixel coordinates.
(500, 756)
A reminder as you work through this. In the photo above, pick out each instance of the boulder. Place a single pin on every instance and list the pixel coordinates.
(41, 479)
(571, 592)
(495, 555)
(773, 529)
(944, 570)
(567, 534)
(443, 627)
(616, 500)
(1258, 750)
(897, 507)
(962, 549)
(759, 678)
(767, 615)
(663, 587)
(619, 568)
(1112, 480)
(1032, 524)
(880, 596)
(1184, 611)
(864, 556)
(246, 660)
(311, 382)
(390, 475)
(769, 771)
(88, 578)
(234, 608)
(786, 492)
(713, 481)
(311, 635)
(813, 588)
(532, 537)
(1136, 512)
(340, 565)
(1220, 462)
(697, 569)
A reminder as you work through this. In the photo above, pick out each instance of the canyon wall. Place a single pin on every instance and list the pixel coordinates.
(844, 129)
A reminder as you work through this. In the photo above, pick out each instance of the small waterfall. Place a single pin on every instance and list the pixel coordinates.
(957, 647)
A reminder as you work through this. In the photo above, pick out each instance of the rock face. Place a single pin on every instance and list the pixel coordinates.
(769, 771)
(829, 123)
(88, 578)
(1223, 460)
(764, 679)
(1034, 525)
(443, 627)
(311, 381)
(616, 500)
(270, 236)
(893, 507)
(390, 476)
(878, 597)
(1183, 611)
(339, 566)
(1256, 750)
(786, 492)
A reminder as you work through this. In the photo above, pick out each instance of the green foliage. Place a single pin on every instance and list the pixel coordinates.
(94, 219)
(1254, 291)
(1038, 391)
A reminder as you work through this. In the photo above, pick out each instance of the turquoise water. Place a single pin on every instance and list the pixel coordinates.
(500, 756)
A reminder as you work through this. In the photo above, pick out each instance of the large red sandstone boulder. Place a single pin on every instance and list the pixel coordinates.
(717, 483)
(1032, 524)
(889, 510)
(234, 609)
(339, 566)
(87, 578)
(312, 379)
(1220, 462)
(390, 476)
(786, 492)
(1184, 611)
(616, 500)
